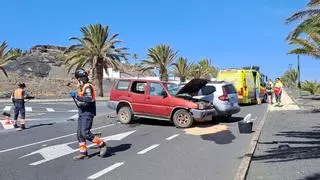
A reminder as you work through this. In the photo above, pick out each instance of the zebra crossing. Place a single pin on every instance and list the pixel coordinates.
(41, 109)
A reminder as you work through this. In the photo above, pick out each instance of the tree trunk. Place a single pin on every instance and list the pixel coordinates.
(98, 78)
(164, 74)
(183, 79)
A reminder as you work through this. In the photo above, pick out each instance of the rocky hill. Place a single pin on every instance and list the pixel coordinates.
(43, 71)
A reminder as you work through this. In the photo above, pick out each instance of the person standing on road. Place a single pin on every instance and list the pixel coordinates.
(257, 92)
(269, 89)
(87, 110)
(278, 91)
(17, 98)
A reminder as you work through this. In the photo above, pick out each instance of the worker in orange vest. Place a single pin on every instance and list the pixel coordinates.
(17, 98)
(86, 102)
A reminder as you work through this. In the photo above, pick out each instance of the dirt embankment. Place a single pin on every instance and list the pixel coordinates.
(43, 71)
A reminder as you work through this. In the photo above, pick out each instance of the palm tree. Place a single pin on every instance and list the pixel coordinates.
(195, 71)
(310, 47)
(181, 68)
(311, 86)
(312, 10)
(5, 57)
(310, 26)
(290, 78)
(161, 58)
(203, 69)
(96, 49)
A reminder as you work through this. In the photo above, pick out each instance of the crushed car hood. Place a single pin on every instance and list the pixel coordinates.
(192, 87)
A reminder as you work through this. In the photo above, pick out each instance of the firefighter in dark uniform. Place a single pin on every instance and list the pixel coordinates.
(87, 110)
(17, 98)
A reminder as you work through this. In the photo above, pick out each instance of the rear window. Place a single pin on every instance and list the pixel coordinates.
(123, 85)
(230, 89)
(206, 90)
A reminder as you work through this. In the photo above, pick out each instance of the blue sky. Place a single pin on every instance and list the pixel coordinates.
(230, 33)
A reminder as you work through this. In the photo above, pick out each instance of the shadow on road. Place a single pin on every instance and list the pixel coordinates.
(315, 176)
(286, 152)
(231, 120)
(152, 122)
(111, 150)
(222, 137)
(39, 125)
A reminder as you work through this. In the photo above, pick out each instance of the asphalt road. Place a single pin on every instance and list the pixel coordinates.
(144, 150)
(38, 113)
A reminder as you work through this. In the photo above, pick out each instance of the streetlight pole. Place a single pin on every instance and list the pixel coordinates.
(299, 82)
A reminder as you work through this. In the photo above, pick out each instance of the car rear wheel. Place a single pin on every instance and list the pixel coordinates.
(125, 115)
(182, 119)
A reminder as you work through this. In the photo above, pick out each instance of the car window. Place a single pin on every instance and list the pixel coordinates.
(172, 88)
(138, 87)
(123, 85)
(230, 89)
(156, 89)
(206, 90)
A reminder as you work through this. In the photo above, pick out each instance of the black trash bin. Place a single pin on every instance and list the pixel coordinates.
(245, 127)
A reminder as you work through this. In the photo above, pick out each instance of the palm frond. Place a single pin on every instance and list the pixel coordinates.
(302, 14)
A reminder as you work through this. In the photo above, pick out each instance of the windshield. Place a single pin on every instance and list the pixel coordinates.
(172, 88)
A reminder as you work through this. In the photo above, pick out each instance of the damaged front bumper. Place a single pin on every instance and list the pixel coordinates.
(202, 115)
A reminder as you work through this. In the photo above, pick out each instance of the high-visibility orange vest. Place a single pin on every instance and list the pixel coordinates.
(82, 91)
(18, 94)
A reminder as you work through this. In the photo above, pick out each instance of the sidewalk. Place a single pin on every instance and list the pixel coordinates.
(287, 102)
(288, 148)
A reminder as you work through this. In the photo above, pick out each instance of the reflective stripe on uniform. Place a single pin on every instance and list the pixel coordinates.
(83, 147)
(82, 91)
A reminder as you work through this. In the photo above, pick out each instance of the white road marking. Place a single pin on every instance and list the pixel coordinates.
(173, 136)
(7, 108)
(56, 151)
(28, 109)
(73, 110)
(148, 149)
(50, 109)
(74, 116)
(32, 115)
(106, 170)
(48, 140)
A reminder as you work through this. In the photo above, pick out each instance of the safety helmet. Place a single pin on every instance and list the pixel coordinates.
(80, 73)
(21, 85)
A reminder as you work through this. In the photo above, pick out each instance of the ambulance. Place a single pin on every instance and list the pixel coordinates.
(246, 80)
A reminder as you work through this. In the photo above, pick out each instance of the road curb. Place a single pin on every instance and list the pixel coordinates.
(245, 162)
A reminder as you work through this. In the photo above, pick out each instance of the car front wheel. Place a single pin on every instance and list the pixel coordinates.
(125, 115)
(182, 119)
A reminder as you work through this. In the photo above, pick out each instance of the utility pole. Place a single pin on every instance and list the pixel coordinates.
(299, 83)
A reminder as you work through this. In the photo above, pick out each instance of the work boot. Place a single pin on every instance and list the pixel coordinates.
(80, 157)
(16, 126)
(103, 149)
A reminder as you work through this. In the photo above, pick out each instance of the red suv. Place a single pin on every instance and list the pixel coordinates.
(160, 100)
